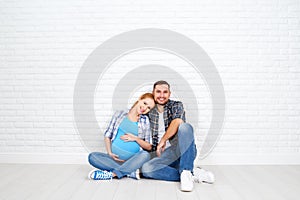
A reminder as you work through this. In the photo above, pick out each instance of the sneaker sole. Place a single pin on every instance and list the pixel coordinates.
(89, 175)
(186, 190)
(205, 182)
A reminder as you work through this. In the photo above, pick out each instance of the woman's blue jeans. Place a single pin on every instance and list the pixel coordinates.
(174, 159)
(105, 162)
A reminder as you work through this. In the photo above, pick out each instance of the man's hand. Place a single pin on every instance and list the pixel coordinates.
(160, 147)
(171, 131)
(115, 157)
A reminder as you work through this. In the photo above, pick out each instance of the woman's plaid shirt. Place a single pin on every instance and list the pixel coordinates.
(144, 131)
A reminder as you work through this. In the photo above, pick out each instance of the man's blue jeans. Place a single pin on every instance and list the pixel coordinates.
(174, 159)
(105, 162)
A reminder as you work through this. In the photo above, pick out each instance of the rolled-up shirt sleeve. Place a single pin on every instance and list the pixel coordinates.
(111, 126)
(178, 111)
(144, 129)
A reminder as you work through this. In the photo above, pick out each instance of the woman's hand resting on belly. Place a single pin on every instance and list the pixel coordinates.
(128, 137)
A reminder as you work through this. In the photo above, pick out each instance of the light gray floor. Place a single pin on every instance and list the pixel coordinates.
(69, 182)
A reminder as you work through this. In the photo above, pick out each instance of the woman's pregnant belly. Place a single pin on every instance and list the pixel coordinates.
(123, 149)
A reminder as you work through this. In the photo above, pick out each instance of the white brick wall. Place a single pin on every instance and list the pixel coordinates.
(255, 46)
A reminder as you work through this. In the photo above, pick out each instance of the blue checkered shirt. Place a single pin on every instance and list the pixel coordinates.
(144, 131)
(172, 110)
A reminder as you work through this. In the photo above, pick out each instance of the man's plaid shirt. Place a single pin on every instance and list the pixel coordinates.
(144, 131)
(172, 110)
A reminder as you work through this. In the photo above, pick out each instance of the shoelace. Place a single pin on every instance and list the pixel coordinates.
(103, 175)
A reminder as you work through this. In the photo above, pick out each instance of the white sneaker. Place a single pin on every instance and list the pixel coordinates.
(203, 176)
(186, 181)
(135, 175)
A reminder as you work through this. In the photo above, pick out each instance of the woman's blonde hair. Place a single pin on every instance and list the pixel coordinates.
(144, 96)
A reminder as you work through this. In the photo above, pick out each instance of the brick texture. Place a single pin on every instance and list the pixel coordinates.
(255, 45)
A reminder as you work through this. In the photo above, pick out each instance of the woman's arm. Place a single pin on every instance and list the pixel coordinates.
(108, 145)
(130, 137)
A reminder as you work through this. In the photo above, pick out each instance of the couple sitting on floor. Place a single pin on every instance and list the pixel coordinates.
(160, 143)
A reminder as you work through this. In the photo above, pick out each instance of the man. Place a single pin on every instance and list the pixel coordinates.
(173, 141)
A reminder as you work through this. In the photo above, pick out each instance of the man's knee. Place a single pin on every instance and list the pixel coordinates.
(146, 168)
(185, 128)
(149, 168)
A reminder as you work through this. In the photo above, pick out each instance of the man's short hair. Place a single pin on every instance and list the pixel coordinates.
(161, 82)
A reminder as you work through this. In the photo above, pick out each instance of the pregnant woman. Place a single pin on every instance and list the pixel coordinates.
(127, 139)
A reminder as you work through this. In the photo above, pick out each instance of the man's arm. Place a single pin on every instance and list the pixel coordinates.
(171, 131)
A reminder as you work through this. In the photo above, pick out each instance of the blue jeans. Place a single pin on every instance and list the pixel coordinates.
(105, 162)
(174, 159)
